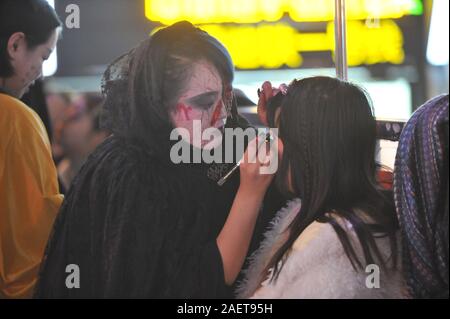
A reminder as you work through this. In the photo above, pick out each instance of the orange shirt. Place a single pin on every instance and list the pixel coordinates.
(29, 197)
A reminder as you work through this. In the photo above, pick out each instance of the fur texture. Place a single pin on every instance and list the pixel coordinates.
(317, 267)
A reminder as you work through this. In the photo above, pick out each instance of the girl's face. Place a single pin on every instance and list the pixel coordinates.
(202, 103)
(26, 63)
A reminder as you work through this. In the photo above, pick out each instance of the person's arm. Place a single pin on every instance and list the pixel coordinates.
(234, 239)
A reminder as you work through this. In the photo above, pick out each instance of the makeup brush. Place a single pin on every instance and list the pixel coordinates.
(224, 179)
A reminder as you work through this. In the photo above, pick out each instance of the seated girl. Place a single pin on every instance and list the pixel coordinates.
(338, 236)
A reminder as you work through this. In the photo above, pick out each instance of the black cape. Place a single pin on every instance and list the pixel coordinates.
(138, 228)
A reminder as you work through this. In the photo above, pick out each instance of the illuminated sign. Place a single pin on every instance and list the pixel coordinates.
(254, 11)
(272, 46)
(259, 34)
(438, 47)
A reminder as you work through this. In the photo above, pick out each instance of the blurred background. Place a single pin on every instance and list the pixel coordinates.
(398, 51)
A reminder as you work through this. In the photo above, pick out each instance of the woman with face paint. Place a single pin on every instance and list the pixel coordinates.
(137, 225)
(338, 236)
(29, 194)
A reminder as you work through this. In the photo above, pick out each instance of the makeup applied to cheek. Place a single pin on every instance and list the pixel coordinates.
(185, 109)
(217, 113)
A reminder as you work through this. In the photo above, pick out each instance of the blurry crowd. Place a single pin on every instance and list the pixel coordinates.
(76, 131)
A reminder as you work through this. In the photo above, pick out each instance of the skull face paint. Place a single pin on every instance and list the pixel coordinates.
(203, 101)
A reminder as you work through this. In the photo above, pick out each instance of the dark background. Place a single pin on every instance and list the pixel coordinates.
(108, 28)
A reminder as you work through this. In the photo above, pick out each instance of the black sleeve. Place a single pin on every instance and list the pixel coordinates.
(162, 249)
(135, 233)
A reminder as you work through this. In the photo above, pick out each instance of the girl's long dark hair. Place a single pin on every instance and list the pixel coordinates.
(329, 135)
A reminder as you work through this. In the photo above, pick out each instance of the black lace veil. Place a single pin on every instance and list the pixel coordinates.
(141, 85)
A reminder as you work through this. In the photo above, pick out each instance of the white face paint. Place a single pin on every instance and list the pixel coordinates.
(202, 101)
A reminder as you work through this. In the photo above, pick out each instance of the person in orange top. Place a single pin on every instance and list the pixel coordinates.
(29, 192)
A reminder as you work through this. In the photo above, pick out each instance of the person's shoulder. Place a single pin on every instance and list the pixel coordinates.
(324, 234)
(15, 113)
(315, 233)
(126, 152)
(321, 244)
(123, 158)
(10, 106)
(20, 123)
(320, 267)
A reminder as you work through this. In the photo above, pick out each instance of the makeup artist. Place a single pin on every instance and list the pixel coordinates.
(136, 224)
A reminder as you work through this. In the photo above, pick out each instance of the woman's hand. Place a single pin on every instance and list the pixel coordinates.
(265, 94)
(254, 180)
(234, 239)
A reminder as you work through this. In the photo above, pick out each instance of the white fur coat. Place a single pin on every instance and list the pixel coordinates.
(317, 267)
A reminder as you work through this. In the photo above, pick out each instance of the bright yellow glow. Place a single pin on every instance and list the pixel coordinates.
(372, 45)
(254, 11)
(272, 46)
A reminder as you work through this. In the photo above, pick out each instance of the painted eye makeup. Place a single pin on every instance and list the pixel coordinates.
(204, 101)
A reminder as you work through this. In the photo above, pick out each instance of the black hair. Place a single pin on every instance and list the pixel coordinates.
(329, 135)
(35, 18)
(138, 104)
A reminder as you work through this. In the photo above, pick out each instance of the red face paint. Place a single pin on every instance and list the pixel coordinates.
(217, 113)
(229, 92)
(186, 109)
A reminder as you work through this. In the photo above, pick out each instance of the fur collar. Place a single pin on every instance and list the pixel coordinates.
(317, 266)
(260, 258)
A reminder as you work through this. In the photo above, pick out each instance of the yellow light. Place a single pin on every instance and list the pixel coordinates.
(372, 45)
(323, 10)
(272, 46)
(255, 11)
